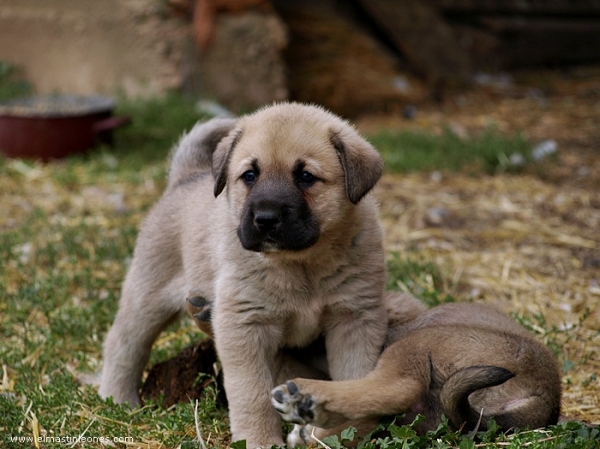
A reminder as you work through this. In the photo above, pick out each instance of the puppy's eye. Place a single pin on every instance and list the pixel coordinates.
(307, 179)
(249, 177)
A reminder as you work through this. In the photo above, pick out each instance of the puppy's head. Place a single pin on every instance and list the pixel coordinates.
(293, 172)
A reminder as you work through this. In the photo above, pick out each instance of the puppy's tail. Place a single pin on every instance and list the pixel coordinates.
(193, 154)
(454, 394)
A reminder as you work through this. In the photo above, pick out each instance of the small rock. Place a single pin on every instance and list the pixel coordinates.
(409, 112)
(544, 149)
(401, 84)
(583, 171)
(213, 108)
(436, 176)
(516, 159)
(458, 130)
(493, 80)
(436, 215)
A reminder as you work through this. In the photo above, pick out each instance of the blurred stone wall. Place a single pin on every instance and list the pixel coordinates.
(144, 48)
(243, 66)
(91, 46)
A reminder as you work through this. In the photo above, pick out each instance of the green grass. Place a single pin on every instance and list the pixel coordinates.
(65, 244)
(12, 82)
(425, 280)
(156, 126)
(406, 151)
(391, 436)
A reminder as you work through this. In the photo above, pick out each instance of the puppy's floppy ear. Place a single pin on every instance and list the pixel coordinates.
(220, 160)
(361, 162)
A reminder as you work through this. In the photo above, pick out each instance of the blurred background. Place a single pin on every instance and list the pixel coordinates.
(353, 56)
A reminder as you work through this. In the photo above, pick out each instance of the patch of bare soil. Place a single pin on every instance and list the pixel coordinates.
(185, 377)
(529, 243)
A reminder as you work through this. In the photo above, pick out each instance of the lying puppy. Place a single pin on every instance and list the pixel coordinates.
(268, 218)
(465, 361)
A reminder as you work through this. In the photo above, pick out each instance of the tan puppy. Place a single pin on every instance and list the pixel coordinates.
(282, 240)
(461, 360)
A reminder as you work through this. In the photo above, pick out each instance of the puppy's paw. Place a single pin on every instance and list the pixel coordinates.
(300, 436)
(293, 405)
(199, 307)
(200, 310)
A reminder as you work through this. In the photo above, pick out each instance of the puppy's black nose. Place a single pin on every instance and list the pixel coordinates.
(266, 220)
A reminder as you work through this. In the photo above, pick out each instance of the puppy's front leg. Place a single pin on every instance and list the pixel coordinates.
(248, 353)
(329, 404)
(354, 340)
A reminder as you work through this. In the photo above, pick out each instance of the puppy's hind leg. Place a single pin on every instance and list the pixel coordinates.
(143, 313)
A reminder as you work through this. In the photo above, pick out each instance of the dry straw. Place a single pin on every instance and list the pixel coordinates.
(529, 247)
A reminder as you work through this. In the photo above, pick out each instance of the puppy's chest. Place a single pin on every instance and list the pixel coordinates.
(304, 324)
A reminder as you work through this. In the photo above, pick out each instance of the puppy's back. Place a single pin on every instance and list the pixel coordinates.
(517, 384)
(477, 369)
(468, 314)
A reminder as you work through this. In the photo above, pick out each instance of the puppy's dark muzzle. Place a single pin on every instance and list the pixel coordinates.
(277, 217)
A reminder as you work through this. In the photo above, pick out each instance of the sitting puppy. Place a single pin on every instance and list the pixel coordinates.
(269, 218)
(466, 361)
